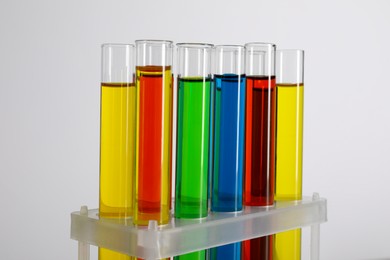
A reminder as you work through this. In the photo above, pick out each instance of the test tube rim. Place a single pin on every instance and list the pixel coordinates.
(117, 45)
(259, 44)
(230, 46)
(291, 50)
(154, 42)
(194, 45)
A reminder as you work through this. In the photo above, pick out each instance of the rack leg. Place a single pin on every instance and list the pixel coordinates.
(83, 247)
(315, 242)
(315, 236)
(83, 251)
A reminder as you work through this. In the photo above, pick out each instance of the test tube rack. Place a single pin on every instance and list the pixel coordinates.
(182, 236)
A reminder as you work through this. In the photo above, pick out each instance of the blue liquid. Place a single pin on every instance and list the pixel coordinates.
(226, 252)
(229, 121)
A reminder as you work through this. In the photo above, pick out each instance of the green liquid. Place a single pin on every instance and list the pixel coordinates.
(200, 255)
(193, 133)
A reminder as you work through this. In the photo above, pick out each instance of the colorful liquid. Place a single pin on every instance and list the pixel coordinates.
(153, 144)
(117, 146)
(200, 255)
(117, 155)
(260, 141)
(289, 135)
(192, 164)
(229, 119)
(226, 252)
(287, 245)
(106, 254)
(258, 249)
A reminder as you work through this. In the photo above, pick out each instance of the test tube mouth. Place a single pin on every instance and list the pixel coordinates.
(230, 47)
(291, 50)
(155, 42)
(194, 45)
(259, 44)
(116, 45)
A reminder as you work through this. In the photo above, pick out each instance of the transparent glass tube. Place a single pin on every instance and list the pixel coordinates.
(289, 125)
(260, 119)
(153, 131)
(193, 134)
(289, 134)
(229, 109)
(260, 123)
(229, 123)
(117, 136)
(193, 130)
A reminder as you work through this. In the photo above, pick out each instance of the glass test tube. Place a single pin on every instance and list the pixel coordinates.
(153, 131)
(259, 138)
(289, 135)
(229, 112)
(117, 136)
(260, 124)
(193, 134)
(229, 120)
(193, 124)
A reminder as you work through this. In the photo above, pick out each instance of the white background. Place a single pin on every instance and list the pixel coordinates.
(49, 107)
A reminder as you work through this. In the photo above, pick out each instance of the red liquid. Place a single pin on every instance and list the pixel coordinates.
(150, 143)
(260, 141)
(153, 173)
(258, 249)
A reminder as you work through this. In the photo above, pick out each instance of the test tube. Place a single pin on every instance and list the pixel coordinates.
(117, 136)
(193, 134)
(193, 130)
(229, 122)
(229, 119)
(153, 131)
(260, 122)
(289, 136)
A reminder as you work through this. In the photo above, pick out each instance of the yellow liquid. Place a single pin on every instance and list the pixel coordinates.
(288, 176)
(287, 245)
(117, 152)
(117, 149)
(106, 254)
(289, 137)
(153, 145)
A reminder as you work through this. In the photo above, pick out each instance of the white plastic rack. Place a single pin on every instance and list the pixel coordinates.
(183, 236)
